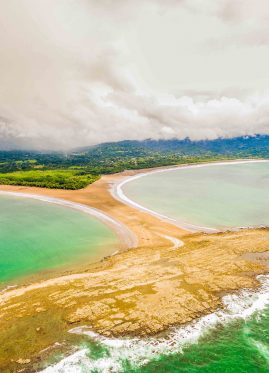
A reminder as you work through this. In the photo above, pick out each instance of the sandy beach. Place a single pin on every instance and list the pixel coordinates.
(166, 276)
(146, 229)
(126, 238)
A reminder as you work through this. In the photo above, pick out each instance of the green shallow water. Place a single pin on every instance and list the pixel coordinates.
(37, 236)
(242, 347)
(217, 196)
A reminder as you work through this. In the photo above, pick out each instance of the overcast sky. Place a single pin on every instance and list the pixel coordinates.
(81, 72)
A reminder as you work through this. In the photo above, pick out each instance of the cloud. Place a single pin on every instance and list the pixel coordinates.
(245, 11)
(224, 117)
(73, 73)
(251, 16)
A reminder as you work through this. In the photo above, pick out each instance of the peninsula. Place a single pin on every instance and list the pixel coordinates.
(167, 276)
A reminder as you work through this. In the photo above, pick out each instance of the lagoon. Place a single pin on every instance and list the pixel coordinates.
(37, 236)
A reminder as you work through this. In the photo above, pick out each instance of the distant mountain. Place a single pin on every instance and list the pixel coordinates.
(80, 167)
(257, 145)
(249, 145)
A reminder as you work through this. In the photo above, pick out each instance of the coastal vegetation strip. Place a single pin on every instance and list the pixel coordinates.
(78, 168)
(55, 179)
(78, 177)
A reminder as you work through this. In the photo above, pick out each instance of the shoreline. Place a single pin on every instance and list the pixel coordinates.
(163, 297)
(118, 193)
(241, 305)
(96, 199)
(127, 239)
(120, 229)
(171, 278)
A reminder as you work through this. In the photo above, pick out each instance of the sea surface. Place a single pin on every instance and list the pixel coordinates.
(216, 196)
(38, 236)
(233, 340)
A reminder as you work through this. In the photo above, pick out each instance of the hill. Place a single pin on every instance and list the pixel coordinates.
(85, 165)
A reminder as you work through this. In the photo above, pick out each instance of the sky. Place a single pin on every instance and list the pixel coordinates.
(75, 73)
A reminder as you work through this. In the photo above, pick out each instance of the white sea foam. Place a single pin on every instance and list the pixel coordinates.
(8, 287)
(138, 351)
(261, 348)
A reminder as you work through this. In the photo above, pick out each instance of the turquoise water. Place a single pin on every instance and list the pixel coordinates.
(217, 196)
(37, 236)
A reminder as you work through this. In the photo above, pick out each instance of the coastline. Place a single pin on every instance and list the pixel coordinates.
(97, 197)
(241, 305)
(124, 234)
(135, 294)
(171, 278)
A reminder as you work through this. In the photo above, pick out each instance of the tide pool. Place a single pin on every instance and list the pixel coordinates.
(37, 236)
(214, 196)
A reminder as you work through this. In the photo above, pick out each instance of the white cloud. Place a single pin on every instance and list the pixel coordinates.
(79, 72)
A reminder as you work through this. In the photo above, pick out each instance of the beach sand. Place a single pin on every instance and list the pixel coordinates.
(169, 277)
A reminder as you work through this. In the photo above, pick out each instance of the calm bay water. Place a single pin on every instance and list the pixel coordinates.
(217, 196)
(37, 236)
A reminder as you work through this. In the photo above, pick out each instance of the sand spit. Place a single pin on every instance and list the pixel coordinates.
(172, 277)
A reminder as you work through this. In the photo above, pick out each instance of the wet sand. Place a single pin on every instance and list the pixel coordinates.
(171, 277)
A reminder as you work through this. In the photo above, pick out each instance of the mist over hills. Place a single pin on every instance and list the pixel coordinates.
(257, 145)
(80, 167)
(247, 144)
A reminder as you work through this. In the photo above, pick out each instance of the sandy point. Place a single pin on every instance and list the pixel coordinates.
(134, 227)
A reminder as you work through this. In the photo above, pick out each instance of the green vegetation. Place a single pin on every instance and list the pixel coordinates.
(76, 169)
(59, 179)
